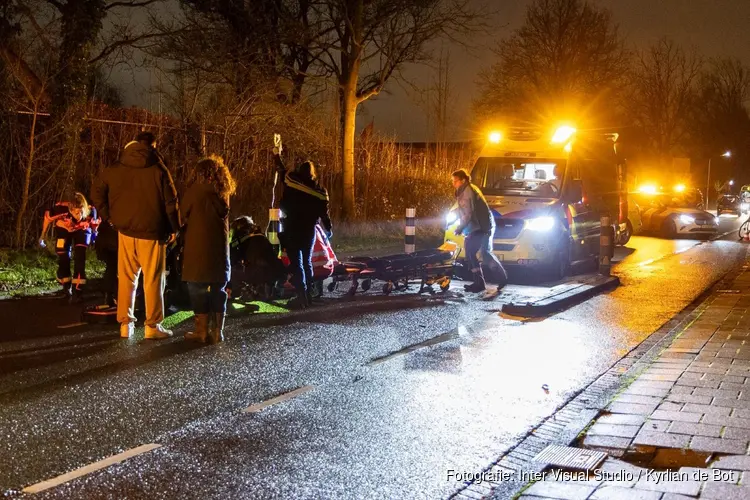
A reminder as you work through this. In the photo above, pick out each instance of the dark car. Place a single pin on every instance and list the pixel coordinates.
(729, 204)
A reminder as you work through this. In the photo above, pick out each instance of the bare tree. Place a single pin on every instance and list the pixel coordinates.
(663, 83)
(721, 118)
(565, 62)
(367, 42)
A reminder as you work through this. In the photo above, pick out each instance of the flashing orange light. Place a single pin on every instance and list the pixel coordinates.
(495, 137)
(568, 147)
(648, 189)
(563, 134)
(679, 188)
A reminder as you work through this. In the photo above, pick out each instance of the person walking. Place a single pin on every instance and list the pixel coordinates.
(75, 224)
(205, 264)
(478, 227)
(304, 203)
(137, 196)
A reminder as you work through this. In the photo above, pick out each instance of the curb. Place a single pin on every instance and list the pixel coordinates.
(568, 421)
(563, 300)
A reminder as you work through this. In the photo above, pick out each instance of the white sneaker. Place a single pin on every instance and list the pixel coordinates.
(157, 332)
(127, 330)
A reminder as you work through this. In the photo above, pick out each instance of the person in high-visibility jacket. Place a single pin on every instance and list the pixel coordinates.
(75, 225)
(304, 203)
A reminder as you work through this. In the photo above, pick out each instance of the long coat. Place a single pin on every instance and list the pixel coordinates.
(206, 235)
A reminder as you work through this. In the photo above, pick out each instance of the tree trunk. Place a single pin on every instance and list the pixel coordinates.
(348, 123)
(21, 215)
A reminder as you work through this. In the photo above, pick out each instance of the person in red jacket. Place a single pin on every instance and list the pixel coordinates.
(75, 224)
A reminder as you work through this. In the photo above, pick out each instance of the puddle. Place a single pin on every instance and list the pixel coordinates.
(650, 457)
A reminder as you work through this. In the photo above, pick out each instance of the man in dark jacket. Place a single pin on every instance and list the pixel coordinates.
(137, 196)
(478, 227)
(303, 202)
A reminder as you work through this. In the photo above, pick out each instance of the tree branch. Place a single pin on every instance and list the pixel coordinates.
(134, 3)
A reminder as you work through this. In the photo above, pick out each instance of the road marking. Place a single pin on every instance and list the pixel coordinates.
(88, 469)
(278, 399)
(446, 337)
(73, 325)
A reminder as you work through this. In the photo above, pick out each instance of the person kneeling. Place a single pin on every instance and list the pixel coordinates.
(255, 264)
(206, 268)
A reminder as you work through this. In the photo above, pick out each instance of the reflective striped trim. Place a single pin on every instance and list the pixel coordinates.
(410, 230)
(63, 281)
(305, 189)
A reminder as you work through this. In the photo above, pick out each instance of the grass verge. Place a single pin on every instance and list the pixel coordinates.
(31, 272)
(354, 237)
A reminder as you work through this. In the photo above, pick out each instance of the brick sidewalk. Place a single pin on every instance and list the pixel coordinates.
(681, 429)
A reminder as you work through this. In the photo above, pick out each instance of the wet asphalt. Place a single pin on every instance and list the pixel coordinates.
(383, 415)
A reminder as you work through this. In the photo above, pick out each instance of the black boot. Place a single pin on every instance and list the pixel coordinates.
(478, 285)
(299, 301)
(66, 291)
(77, 296)
(110, 299)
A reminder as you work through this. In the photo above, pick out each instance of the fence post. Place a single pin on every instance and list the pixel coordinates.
(410, 231)
(606, 245)
(272, 232)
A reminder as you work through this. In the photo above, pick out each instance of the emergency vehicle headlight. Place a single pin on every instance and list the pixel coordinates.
(687, 219)
(562, 134)
(717, 221)
(679, 188)
(451, 218)
(540, 223)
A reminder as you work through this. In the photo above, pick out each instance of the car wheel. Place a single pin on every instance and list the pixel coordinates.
(626, 235)
(561, 267)
(669, 228)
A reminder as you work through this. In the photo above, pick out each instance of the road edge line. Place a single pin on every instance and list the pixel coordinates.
(257, 407)
(88, 469)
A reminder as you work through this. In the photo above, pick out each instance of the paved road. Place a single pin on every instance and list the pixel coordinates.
(379, 416)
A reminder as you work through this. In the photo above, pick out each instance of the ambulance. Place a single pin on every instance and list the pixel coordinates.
(547, 190)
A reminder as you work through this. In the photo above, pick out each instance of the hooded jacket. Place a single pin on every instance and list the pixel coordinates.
(475, 214)
(303, 202)
(137, 195)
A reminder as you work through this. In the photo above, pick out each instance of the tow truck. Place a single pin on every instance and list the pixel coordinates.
(547, 190)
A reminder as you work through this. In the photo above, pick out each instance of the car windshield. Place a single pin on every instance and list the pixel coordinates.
(674, 200)
(530, 177)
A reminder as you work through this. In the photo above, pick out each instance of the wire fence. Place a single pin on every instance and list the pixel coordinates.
(390, 177)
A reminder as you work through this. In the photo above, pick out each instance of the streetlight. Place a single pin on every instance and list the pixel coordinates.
(727, 154)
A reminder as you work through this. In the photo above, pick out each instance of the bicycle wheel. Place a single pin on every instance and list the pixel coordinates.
(744, 230)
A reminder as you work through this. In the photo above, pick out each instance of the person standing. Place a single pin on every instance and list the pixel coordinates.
(205, 264)
(478, 226)
(304, 203)
(75, 224)
(137, 196)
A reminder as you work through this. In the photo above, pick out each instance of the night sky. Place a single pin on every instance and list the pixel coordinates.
(714, 27)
